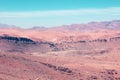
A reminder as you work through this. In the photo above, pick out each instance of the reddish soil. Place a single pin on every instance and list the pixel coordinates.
(70, 52)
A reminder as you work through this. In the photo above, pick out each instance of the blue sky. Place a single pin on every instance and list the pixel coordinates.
(50, 13)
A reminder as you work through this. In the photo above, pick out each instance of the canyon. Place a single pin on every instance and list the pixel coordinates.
(69, 52)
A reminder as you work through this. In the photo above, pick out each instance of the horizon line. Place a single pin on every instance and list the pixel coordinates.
(15, 26)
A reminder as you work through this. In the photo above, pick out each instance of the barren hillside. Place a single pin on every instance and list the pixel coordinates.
(70, 52)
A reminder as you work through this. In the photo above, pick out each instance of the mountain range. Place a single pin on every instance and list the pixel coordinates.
(69, 52)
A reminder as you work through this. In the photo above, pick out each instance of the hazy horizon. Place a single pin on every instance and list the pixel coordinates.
(39, 26)
(51, 13)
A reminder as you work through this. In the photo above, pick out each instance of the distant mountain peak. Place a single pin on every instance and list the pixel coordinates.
(7, 26)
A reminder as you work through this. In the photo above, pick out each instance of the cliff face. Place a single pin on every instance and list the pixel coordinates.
(17, 39)
(68, 37)
(26, 45)
(23, 45)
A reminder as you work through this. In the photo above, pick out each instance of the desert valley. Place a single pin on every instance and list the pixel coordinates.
(70, 52)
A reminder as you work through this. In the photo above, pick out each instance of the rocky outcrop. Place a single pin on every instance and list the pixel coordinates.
(114, 38)
(23, 45)
(58, 68)
(17, 39)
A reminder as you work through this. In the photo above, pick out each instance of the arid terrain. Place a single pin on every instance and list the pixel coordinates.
(70, 52)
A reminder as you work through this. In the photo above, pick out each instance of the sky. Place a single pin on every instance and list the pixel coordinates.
(51, 13)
